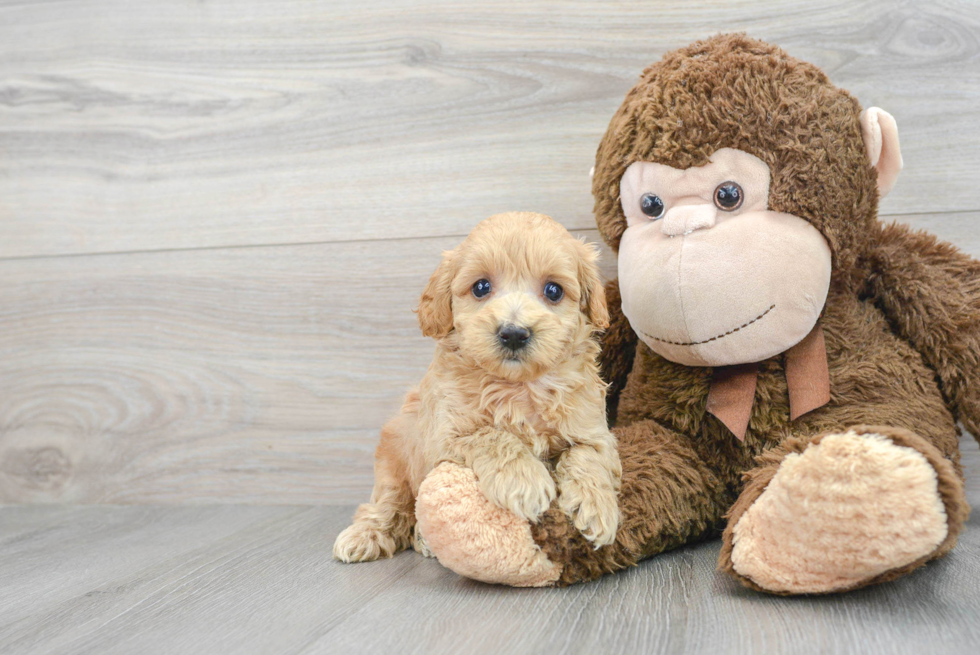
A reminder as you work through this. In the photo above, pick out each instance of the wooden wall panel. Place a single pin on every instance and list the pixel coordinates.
(158, 125)
(247, 374)
(257, 375)
(216, 217)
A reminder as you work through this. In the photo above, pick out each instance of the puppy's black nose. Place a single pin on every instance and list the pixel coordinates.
(512, 337)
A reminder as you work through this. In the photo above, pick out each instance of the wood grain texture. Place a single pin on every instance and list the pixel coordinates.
(160, 125)
(277, 179)
(244, 374)
(235, 579)
(238, 375)
(216, 217)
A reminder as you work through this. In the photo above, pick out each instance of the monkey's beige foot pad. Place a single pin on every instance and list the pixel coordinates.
(475, 538)
(849, 508)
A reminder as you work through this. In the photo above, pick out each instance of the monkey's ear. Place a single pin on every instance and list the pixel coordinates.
(436, 307)
(881, 141)
(593, 293)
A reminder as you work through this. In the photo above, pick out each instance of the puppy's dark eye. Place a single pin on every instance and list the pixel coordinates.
(652, 205)
(481, 288)
(553, 292)
(728, 196)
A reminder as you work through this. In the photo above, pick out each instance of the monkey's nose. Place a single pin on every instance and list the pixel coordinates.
(688, 218)
(513, 337)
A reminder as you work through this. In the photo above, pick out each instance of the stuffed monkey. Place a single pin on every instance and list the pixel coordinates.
(783, 369)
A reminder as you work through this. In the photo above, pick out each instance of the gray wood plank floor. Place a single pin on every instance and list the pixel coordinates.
(246, 579)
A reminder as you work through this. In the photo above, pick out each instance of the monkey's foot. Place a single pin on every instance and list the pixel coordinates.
(475, 538)
(849, 510)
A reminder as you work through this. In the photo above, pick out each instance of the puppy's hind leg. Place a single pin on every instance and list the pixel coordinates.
(418, 543)
(383, 526)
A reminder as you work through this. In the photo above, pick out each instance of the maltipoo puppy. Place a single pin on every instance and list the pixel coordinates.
(513, 391)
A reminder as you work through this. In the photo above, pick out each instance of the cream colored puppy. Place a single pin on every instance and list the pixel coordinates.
(513, 391)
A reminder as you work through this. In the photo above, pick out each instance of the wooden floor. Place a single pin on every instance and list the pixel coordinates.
(246, 579)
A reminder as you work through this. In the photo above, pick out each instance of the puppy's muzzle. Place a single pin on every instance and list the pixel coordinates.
(513, 337)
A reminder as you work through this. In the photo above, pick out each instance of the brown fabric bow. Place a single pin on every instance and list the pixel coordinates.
(733, 387)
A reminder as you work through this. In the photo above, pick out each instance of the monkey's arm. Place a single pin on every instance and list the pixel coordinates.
(618, 350)
(930, 292)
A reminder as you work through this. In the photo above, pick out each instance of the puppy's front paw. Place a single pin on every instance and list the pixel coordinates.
(522, 485)
(594, 510)
(362, 542)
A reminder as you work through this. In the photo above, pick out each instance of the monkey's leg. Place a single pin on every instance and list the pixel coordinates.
(843, 510)
(668, 498)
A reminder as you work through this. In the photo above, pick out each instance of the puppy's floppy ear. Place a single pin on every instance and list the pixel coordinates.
(436, 307)
(593, 300)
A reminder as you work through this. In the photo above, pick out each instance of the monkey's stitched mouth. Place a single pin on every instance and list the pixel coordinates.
(714, 338)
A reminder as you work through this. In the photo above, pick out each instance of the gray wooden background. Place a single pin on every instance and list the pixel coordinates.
(215, 221)
(216, 217)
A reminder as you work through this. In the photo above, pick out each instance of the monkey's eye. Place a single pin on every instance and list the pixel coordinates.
(481, 288)
(729, 196)
(652, 205)
(553, 292)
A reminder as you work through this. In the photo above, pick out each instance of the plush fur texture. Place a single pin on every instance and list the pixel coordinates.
(529, 422)
(910, 301)
(870, 506)
(901, 325)
(697, 284)
(734, 92)
(949, 485)
(476, 538)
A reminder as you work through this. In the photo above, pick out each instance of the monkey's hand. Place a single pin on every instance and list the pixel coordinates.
(930, 292)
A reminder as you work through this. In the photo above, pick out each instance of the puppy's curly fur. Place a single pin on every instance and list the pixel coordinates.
(529, 421)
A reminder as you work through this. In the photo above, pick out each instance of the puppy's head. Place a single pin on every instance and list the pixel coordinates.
(516, 297)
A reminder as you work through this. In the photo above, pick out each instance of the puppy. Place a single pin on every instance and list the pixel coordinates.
(513, 391)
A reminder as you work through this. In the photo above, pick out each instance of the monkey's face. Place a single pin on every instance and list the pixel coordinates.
(708, 275)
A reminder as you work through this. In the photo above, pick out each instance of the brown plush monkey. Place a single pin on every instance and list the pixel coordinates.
(782, 367)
